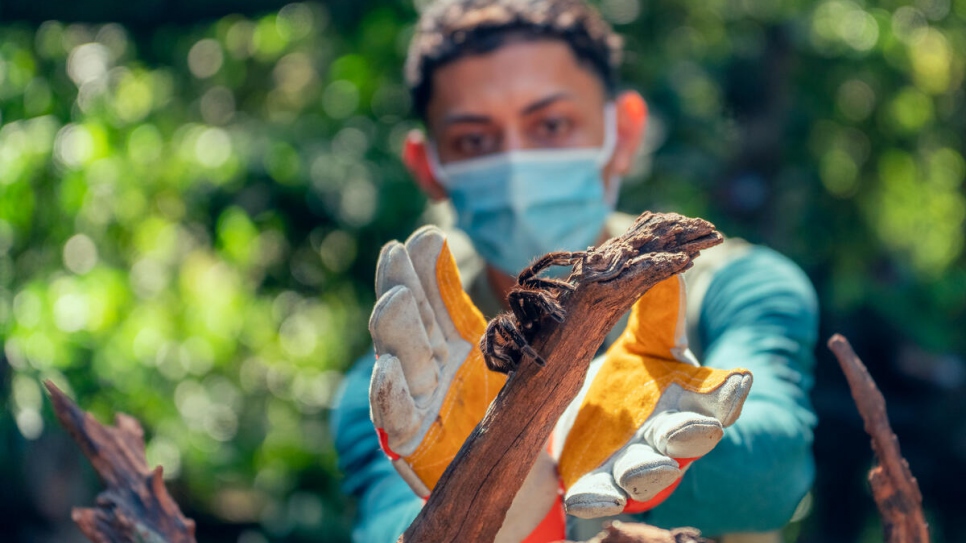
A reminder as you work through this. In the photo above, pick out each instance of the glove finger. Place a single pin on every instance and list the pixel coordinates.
(395, 268)
(458, 318)
(397, 329)
(391, 406)
(682, 434)
(595, 495)
(643, 472)
(723, 403)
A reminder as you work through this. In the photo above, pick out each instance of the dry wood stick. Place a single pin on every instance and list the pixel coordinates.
(471, 499)
(136, 507)
(894, 489)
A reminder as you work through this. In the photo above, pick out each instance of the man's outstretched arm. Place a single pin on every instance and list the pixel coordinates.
(386, 503)
(760, 313)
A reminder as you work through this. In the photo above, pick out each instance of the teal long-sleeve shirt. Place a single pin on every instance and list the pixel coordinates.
(759, 312)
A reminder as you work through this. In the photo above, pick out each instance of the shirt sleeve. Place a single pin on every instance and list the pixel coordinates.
(759, 312)
(386, 504)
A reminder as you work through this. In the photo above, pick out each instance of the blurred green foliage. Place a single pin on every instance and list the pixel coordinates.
(188, 240)
(190, 214)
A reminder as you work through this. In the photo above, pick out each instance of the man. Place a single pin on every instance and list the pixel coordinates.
(528, 138)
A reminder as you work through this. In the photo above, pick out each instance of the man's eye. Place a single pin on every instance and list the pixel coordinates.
(554, 128)
(473, 144)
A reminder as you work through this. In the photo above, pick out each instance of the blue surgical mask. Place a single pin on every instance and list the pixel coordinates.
(518, 205)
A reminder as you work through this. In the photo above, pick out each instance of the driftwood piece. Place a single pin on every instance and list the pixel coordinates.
(894, 489)
(136, 506)
(471, 499)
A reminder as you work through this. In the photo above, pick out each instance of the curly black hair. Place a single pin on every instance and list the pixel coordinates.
(451, 29)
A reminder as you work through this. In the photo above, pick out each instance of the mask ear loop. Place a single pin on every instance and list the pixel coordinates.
(607, 152)
(610, 134)
(434, 165)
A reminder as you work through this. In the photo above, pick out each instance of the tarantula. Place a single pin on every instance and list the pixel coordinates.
(531, 300)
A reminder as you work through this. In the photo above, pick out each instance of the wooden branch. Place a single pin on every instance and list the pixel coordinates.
(620, 532)
(894, 489)
(136, 506)
(471, 499)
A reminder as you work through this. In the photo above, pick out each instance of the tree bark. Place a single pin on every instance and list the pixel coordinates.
(136, 506)
(894, 489)
(470, 504)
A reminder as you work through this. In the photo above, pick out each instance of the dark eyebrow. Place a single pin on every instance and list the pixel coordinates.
(475, 118)
(544, 102)
(456, 118)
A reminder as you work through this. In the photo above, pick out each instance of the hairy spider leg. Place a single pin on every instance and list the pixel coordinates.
(528, 276)
(508, 329)
(532, 306)
(493, 351)
(546, 283)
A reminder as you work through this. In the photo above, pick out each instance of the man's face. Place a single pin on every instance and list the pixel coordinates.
(524, 95)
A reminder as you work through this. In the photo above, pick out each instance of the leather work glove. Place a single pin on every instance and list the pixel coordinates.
(430, 386)
(645, 413)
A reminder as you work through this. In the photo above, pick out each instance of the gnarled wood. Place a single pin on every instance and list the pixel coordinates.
(894, 489)
(471, 499)
(136, 506)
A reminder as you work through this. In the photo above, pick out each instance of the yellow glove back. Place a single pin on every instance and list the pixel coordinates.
(430, 386)
(645, 412)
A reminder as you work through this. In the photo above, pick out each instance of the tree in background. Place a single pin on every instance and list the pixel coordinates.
(190, 214)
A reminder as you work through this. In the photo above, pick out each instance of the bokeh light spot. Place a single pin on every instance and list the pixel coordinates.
(298, 335)
(267, 41)
(855, 99)
(80, 254)
(839, 173)
(338, 251)
(217, 105)
(358, 203)
(350, 142)
(220, 422)
(238, 39)
(859, 29)
(27, 309)
(908, 24)
(205, 58)
(213, 147)
(932, 59)
(71, 312)
(340, 99)
(26, 392)
(295, 21)
(911, 110)
(163, 452)
(74, 145)
(114, 37)
(145, 144)
(148, 278)
(133, 98)
(30, 423)
(88, 62)
(935, 10)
